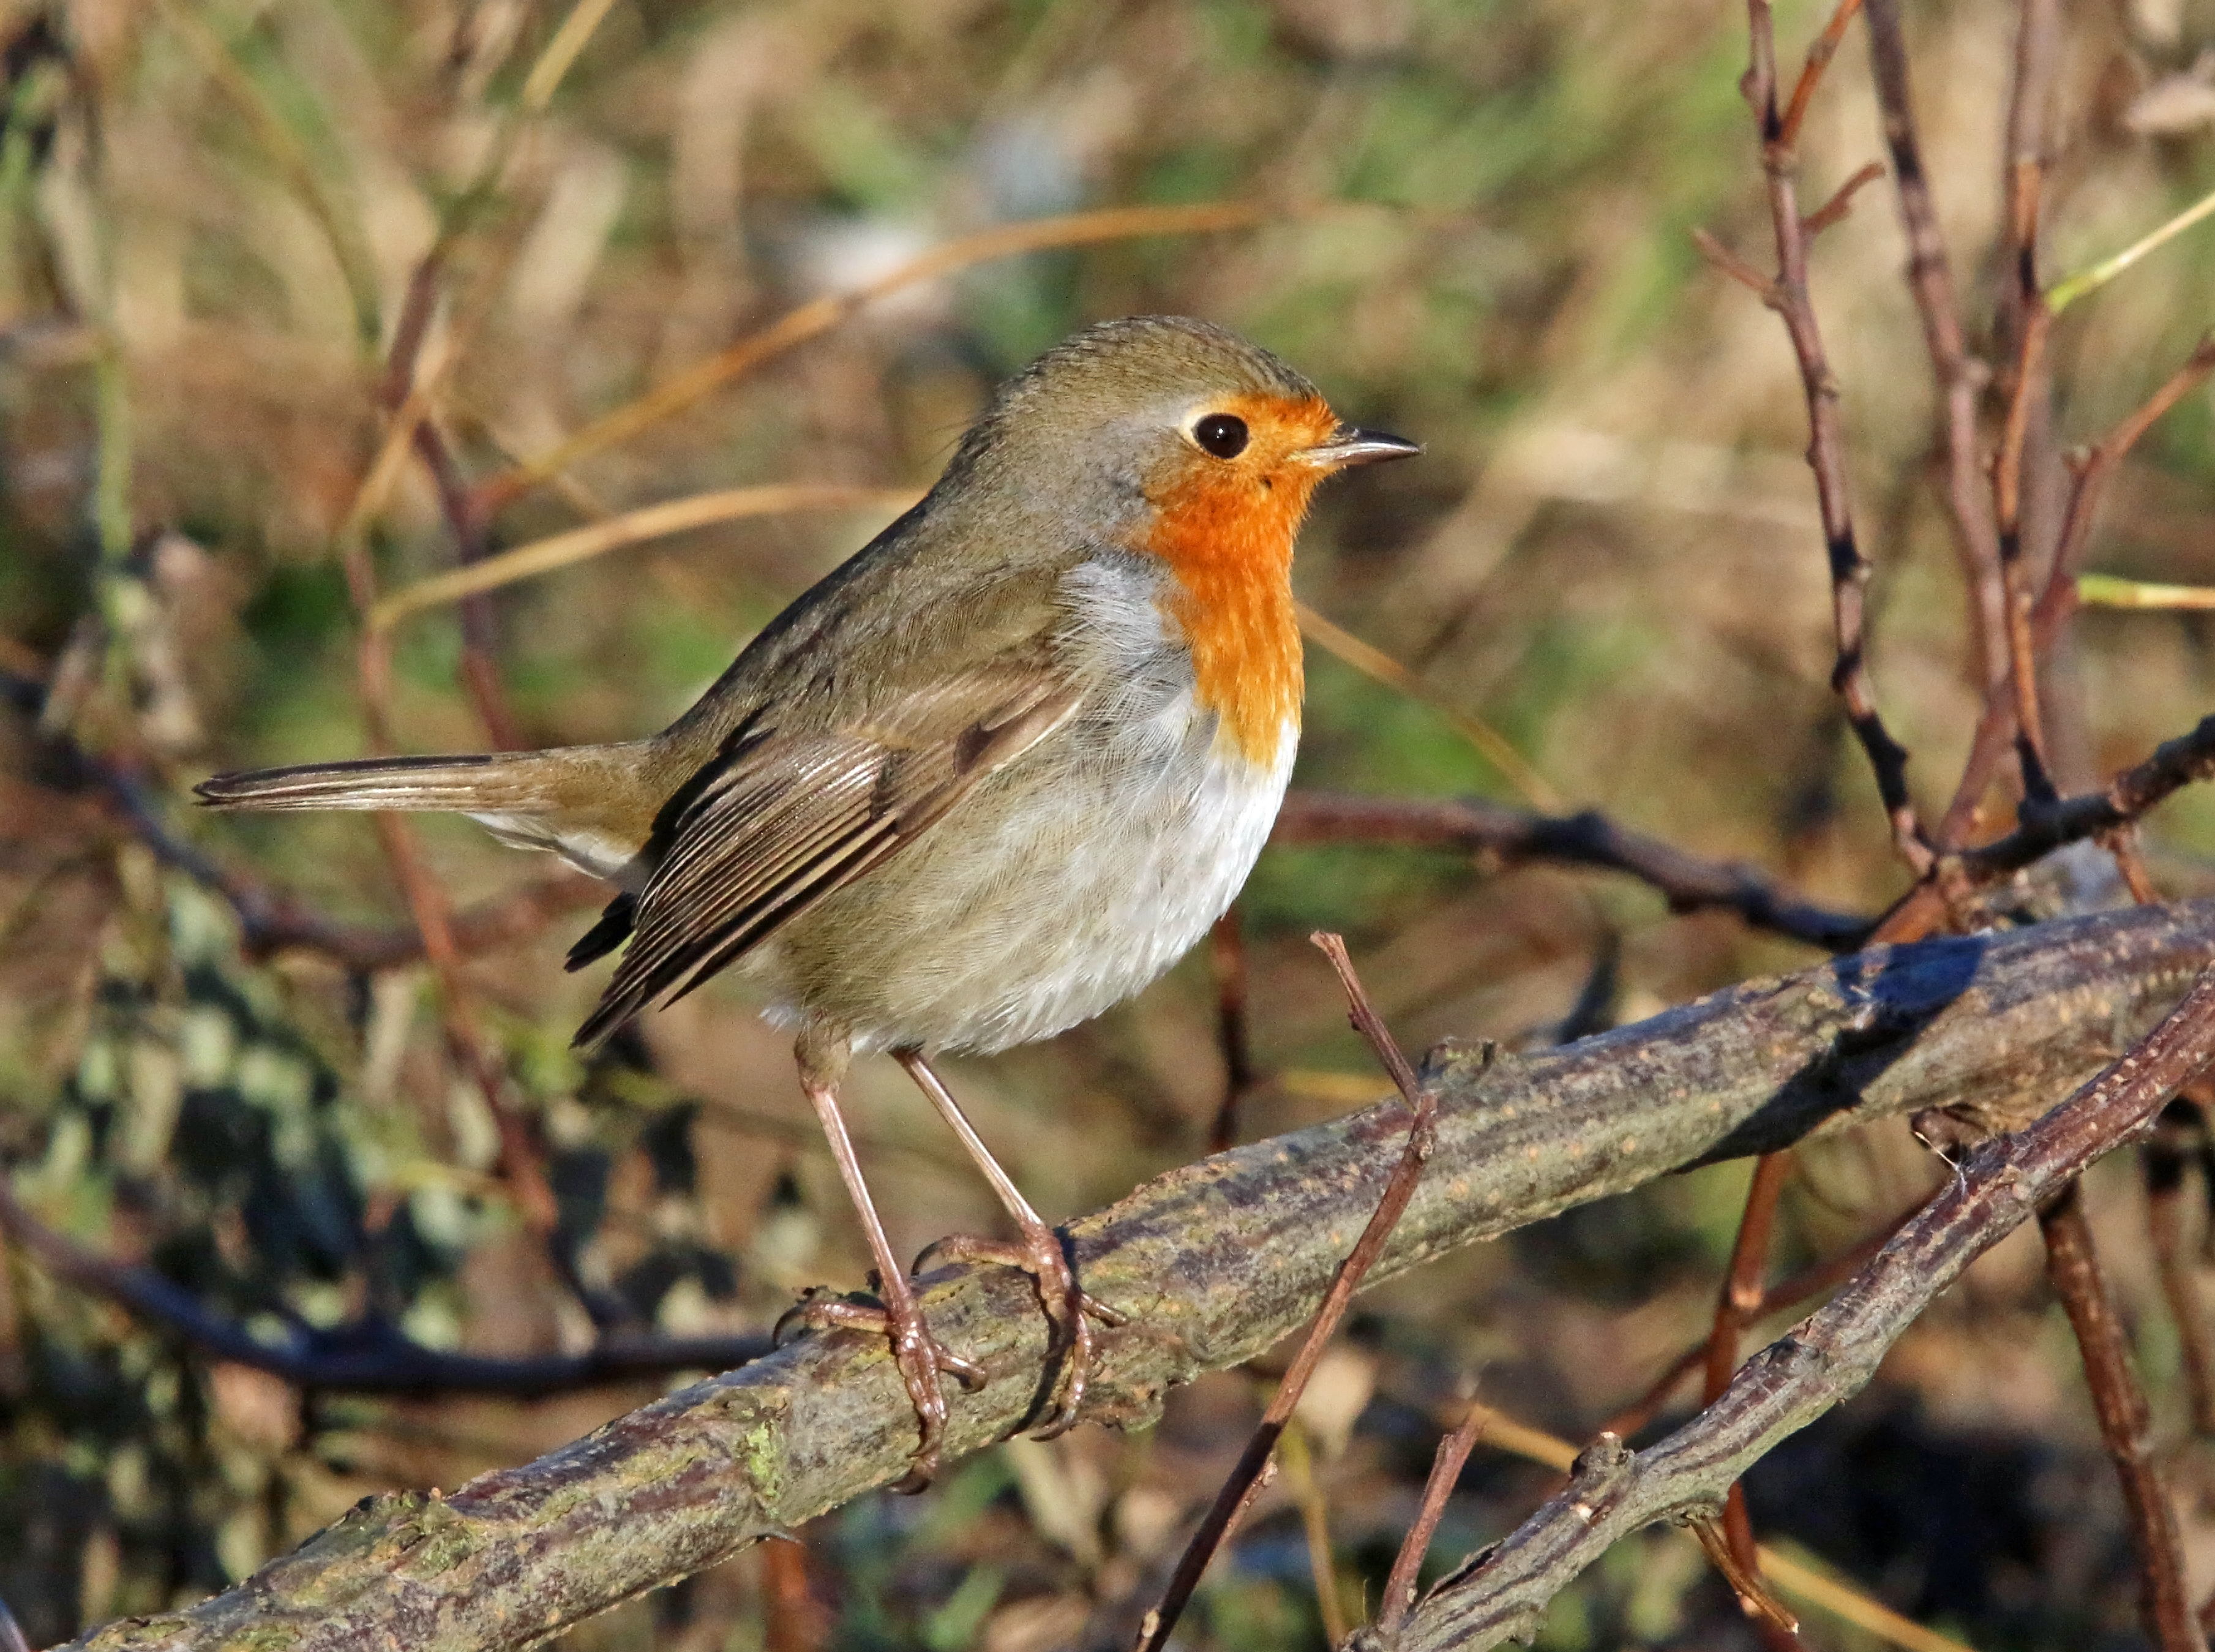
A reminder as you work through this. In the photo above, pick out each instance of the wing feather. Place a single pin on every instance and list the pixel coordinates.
(787, 819)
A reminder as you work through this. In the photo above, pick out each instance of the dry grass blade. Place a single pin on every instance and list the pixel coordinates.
(1753, 1593)
(561, 52)
(819, 315)
(576, 545)
(2070, 288)
(2112, 590)
(1374, 663)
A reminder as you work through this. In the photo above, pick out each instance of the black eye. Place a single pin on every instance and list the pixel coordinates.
(1222, 434)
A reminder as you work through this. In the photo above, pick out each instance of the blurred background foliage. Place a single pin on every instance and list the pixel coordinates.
(1474, 230)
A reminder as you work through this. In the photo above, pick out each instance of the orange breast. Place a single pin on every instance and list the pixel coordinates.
(1226, 528)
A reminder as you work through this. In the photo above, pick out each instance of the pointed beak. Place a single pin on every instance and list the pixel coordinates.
(1350, 446)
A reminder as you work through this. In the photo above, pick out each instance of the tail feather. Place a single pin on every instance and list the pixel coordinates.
(463, 784)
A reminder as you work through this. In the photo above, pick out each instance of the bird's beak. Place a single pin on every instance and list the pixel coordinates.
(1350, 446)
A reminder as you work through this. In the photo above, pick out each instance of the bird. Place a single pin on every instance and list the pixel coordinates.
(989, 777)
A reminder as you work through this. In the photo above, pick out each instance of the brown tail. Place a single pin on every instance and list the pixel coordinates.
(462, 784)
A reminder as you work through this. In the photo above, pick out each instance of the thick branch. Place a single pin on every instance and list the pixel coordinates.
(1215, 1262)
(1827, 1359)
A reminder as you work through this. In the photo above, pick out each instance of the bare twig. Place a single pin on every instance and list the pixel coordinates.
(1819, 55)
(2073, 1264)
(2056, 602)
(1407, 1564)
(1730, 1544)
(1829, 1357)
(2166, 1164)
(1842, 199)
(1961, 377)
(1474, 826)
(2045, 828)
(1827, 451)
(1422, 1105)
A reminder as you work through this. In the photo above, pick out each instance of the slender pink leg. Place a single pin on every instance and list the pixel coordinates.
(920, 1355)
(1037, 1254)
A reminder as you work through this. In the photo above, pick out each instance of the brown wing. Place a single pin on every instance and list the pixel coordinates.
(782, 821)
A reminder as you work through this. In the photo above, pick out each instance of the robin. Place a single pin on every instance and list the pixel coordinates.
(991, 776)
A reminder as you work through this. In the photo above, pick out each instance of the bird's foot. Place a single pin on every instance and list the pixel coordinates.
(920, 1356)
(1068, 1309)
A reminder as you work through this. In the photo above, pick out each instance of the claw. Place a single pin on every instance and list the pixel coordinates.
(920, 1356)
(1069, 1308)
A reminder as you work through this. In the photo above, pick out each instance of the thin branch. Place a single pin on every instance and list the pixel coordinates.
(1827, 451)
(2166, 1164)
(1811, 73)
(1996, 728)
(1961, 377)
(2073, 1264)
(1841, 203)
(2069, 289)
(1421, 1102)
(1730, 1544)
(1227, 1257)
(1475, 826)
(1407, 1564)
(366, 1357)
(2094, 471)
(1828, 1358)
(2045, 828)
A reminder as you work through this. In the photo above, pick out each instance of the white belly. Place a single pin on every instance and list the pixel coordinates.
(1065, 882)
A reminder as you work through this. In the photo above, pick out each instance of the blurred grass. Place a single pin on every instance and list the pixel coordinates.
(1477, 234)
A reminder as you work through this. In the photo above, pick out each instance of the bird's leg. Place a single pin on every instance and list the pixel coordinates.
(921, 1357)
(1039, 1253)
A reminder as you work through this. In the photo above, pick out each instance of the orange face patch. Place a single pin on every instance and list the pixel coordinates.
(1225, 527)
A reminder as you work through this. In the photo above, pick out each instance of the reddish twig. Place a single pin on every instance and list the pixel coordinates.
(1827, 451)
(1407, 1564)
(1735, 1305)
(1842, 199)
(1811, 72)
(2073, 1264)
(1961, 377)
(1399, 1189)
(2165, 1164)
(2056, 602)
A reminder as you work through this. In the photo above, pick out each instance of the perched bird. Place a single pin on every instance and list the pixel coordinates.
(991, 776)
